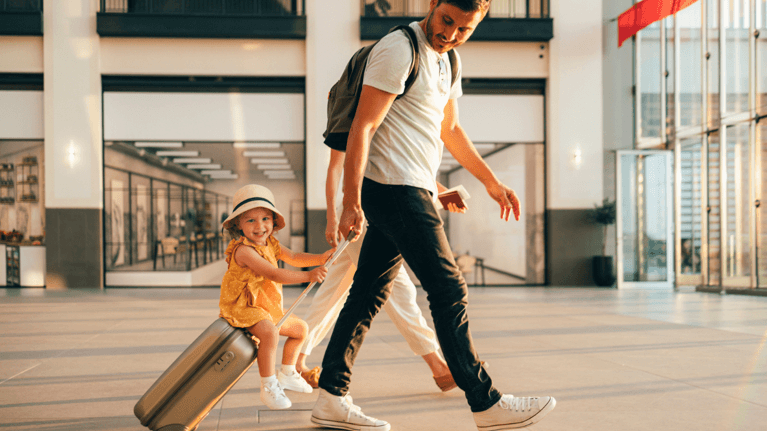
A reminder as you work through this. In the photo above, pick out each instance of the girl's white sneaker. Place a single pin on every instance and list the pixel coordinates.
(274, 397)
(294, 382)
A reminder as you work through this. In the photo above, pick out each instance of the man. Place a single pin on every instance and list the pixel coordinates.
(393, 151)
(331, 296)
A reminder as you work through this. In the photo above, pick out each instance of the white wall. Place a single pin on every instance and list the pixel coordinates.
(502, 118)
(574, 105)
(505, 59)
(21, 54)
(204, 116)
(206, 57)
(22, 115)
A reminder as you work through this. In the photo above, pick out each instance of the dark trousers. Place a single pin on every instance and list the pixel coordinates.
(403, 223)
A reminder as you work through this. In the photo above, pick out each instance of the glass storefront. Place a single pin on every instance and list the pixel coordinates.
(152, 224)
(713, 58)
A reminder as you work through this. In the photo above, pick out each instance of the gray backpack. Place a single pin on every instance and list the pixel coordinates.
(345, 93)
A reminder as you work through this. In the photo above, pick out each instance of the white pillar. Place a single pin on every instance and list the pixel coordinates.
(73, 144)
(72, 100)
(332, 36)
(574, 101)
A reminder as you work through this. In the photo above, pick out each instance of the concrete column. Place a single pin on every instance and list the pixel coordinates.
(332, 36)
(73, 145)
(574, 139)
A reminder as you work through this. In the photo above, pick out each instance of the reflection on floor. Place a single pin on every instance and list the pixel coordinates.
(615, 360)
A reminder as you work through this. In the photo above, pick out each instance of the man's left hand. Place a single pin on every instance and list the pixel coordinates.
(506, 198)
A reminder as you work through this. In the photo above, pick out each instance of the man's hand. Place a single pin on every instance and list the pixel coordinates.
(453, 208)
(352, 219)
(506, 198)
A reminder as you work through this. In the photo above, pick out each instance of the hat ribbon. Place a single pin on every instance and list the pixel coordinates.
(251, 200)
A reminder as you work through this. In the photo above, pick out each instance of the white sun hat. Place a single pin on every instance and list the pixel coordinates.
(254, 196)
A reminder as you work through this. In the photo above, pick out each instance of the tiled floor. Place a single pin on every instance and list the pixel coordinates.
(615, 360)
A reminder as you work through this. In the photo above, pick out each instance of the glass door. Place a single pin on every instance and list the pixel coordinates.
(644, 219)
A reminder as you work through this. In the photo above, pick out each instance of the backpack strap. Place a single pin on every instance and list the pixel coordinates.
(453, 69)
(413, 72)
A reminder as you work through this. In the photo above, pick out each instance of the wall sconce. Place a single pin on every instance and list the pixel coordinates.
(72, 156)
(576, 158)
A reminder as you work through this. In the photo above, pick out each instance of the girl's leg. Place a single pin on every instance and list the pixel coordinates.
(295, 329)
(269, 337)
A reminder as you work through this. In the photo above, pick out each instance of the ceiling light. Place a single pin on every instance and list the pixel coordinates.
(264, 167)
(178, 153)
(191, 160)
(259, 145)
(260, 161)
(224, 176)
(263, 153)
(217, 171)
(158, 144)
(290, 176)
(278, 172)
(204, 166)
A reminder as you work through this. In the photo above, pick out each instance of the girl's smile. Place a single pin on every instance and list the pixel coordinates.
(257, 225)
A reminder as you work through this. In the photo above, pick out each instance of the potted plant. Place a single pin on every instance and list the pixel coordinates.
(602, 266)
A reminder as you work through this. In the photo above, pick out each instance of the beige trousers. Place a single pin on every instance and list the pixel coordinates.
(401, 306)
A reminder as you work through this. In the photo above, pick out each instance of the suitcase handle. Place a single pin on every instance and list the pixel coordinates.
(327, 264)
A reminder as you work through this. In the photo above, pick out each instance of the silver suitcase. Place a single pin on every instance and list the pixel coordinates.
(186, 392)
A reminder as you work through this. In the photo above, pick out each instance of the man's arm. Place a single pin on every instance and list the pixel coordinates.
(335, 168)
(373, 106)
(460, 146)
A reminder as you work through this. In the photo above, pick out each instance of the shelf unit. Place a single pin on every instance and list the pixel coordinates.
(30, 173)
(13, 274)
(7, 180)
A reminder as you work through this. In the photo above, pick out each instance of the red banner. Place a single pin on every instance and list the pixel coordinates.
(645, 13)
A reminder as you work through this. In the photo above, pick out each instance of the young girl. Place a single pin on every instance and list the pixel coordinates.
(251, 291)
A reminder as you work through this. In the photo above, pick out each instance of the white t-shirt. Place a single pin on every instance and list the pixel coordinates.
(407, 148)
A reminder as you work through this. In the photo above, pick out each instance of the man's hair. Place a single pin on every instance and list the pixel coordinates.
(468, 5)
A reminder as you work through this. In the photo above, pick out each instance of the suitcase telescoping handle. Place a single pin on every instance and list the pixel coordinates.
(308, 289)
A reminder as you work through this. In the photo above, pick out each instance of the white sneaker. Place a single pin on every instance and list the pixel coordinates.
(274, 397)
(514, 412)
(331, 411)
(294, 382)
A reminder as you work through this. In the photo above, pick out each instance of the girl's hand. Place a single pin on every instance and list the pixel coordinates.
(318, 274)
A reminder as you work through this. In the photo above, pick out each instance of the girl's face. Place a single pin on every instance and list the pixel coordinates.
(256, 225)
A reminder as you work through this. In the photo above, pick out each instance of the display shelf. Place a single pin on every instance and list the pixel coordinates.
(25, 265)
(13, 276)
(7, 184)
(29, 182)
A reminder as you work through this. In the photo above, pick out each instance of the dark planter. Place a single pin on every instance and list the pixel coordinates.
(602, 268)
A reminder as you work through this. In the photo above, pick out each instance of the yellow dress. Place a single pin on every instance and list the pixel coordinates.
(248, 298)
